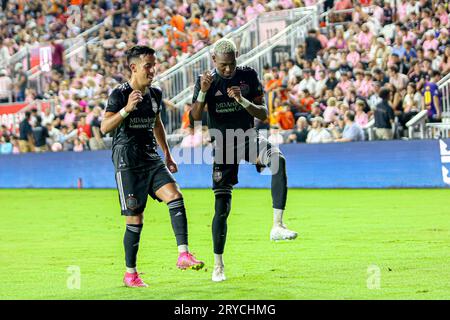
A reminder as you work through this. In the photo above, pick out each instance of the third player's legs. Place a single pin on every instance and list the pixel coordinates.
(272, 157)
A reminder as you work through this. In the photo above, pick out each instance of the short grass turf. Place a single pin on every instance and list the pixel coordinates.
(344, 236)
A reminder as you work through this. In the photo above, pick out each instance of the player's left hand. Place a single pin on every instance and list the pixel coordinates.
(171, 164)
(235, 92)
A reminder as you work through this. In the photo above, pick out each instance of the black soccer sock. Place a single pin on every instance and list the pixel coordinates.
(131, 243)
(179, 221)
(219, 224)
(279, 180)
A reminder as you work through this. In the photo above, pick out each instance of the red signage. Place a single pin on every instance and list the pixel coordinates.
(11, 114)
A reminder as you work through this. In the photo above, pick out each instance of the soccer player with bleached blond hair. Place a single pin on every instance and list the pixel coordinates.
(234, 97)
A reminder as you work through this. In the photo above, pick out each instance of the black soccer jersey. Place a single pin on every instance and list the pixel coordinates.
(225, 112)
(136, 130)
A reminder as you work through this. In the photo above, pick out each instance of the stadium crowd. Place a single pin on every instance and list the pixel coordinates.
(380, 61)
(383, 62)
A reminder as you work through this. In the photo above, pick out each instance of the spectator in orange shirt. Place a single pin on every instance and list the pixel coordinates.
(185, 122)
(306, 101)
(84, 129)
(285, 118)
(198, 27)
(178, 22)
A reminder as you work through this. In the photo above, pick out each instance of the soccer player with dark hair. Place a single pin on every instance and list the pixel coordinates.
(133, 113)
(234, 97)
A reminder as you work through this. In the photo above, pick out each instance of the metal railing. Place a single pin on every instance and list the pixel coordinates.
(442, 128)
(444, 88)
(369, 128)
(418, 121)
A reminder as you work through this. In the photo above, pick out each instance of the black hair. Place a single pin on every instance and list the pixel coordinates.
(435, 73)
(384, 93)
(137, 51)
(394, 68)
(350, 115)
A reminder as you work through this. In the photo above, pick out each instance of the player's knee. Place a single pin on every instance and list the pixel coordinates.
(175, 195)
(138, 218)
(223, 205)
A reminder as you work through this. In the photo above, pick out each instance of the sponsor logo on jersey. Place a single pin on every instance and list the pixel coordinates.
(226, 107)
(141, 123)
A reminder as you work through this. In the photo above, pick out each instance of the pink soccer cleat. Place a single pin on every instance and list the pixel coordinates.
(187, 261)
(132, 280)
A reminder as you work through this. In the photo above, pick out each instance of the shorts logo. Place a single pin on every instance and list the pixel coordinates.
(245, 88)
(217, 176)
(132, 202)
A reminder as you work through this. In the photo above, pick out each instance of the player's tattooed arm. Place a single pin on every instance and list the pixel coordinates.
(201, 88)
(160, 136)
(256, 108)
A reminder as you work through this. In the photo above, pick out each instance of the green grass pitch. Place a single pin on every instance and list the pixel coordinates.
(404, 233)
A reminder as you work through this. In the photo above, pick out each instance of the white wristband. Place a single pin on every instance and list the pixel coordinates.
(245, 103)
(201, 96)
(123, 113)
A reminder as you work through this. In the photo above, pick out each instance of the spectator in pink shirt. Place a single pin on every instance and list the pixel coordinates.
(365, 37)
(77, 145)
(182, 7)
(331, 111)
(343, 4)
(338, 93)
(397, 79)
(220, 12)
(366, 87)
(359, 15)
(359, 78)
(288, 4)
(340, 42)
(402, 8)
(344, 83)
(425, 22)
(361, 118)
(309, 2)
(353, 57)
(443, 15)
(445, 64)
(323, 39)
(430, 42)
(378, 13)
(159, 41)
(69, 116)
(253, 11)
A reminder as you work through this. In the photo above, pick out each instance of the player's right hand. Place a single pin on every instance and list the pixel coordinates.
(205, 81)
(133, 99)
